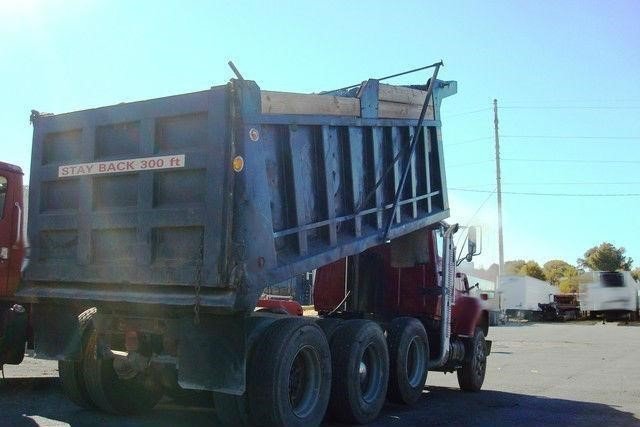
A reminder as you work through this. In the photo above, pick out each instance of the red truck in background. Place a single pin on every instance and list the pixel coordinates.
(14, 324)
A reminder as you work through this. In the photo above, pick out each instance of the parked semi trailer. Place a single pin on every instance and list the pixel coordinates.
(610, 294)
(156, 226)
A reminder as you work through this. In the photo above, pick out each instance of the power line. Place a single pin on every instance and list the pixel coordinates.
(589, 107)
(576, 101)
(464, 113)
(484, 202)
(570, 136)
(468, 141)
(470, 163)
(468, 221)
(554, 183)
(552, 194)
(570, 160)
(573, 183)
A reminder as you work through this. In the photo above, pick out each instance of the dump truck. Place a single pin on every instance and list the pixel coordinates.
(156, 226)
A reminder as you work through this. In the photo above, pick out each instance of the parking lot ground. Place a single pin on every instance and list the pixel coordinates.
(569, 374)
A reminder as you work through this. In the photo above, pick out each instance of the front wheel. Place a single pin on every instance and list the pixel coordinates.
(471, 374)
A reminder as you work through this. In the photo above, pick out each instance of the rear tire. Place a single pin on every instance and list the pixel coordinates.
(329, 325)
(73, 385)
(113, 394)
(289, 375)
(408, 360)
(360, 362)
(471, 375)
(71, 371)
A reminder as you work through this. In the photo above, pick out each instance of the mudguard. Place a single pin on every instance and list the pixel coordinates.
(467, 313)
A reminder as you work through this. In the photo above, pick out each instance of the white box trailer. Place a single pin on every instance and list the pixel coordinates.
(524, 293)
(610, 293)
(486, 290)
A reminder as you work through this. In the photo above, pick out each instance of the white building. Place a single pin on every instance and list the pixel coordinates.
(524, 293)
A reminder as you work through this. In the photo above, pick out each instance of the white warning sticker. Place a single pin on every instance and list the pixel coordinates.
(119, 166)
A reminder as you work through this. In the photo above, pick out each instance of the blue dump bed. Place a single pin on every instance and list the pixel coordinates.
(205, 198)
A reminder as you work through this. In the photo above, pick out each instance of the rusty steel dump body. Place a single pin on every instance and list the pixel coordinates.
(206, 198)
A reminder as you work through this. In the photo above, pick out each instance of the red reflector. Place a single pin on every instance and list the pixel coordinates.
(131, 341)
(484, 296)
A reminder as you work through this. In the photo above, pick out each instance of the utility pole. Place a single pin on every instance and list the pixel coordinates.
(499, 193)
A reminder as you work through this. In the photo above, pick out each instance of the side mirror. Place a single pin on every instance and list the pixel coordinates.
(473, 248)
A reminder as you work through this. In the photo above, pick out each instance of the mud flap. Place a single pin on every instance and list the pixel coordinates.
(488, 346)
(212, 355)
(13, 335)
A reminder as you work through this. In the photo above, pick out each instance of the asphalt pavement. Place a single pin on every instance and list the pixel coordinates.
(568, 374)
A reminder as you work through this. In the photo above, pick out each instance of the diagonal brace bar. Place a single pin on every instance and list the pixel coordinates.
(412, 149)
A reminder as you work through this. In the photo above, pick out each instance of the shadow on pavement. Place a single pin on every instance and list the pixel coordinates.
(40, 402)
(451, 407)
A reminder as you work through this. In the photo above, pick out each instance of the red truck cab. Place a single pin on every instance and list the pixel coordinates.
(404, 278)
(11, 232)
(14, 329)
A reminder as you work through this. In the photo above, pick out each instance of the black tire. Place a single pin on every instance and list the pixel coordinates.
(113, 394)
(471, 374)
(289, 375)
(408, 360)
(329, 325)
(360, 362)
(14, 325)
(231, 410)
(71, 371)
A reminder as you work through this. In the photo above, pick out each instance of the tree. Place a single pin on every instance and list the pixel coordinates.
(636, 273)
(513, 267)
(524, 268)
(570, 283)
(605, 257)
(532, 269)
(556, 269)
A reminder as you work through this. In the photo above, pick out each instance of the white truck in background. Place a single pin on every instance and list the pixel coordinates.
(520, 296)
(610, 294)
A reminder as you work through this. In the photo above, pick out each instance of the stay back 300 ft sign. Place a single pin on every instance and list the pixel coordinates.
(125, 165)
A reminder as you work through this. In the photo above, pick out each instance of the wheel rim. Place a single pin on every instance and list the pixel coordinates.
(370, 374)
(416, 360)
(480, 359)
(304, 381)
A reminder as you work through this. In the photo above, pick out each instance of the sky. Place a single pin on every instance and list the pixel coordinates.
(566, 75)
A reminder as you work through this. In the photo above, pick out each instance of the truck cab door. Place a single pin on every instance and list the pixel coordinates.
(11, 240)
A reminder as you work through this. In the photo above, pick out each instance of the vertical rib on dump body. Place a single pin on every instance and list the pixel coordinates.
(225, 191)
